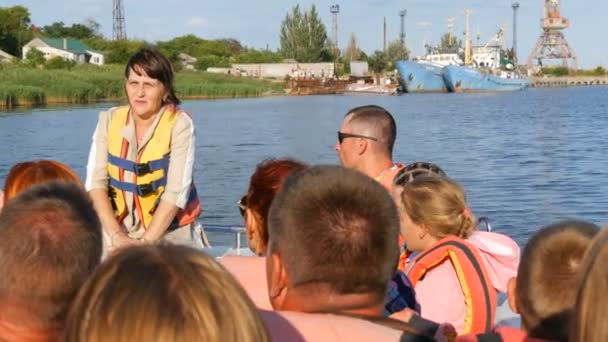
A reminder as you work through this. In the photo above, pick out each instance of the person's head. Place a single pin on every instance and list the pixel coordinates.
(416, 169)
(149, 82)
(591, 307)
(26, 174)
(163, 293)
(544, 290)
(50, 242)
(366, 132)
(432, 207)
(409, 173)
(333, 233)
(264, 185)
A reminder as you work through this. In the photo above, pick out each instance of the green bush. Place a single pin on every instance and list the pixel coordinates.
(59, 63)
(556, 71)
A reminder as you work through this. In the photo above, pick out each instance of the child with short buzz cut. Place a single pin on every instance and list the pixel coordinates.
(544, 291)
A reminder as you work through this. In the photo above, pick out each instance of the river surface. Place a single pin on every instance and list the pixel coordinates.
(526, 159)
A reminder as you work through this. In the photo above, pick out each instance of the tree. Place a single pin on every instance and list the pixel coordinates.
(352, 51)
(378, 62)
(449, 44)
(303, 36)
(77, 31)
(14, 33)
(258, 56)
(397, 51)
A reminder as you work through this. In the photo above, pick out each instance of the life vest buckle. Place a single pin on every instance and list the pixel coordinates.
(145, 189)
(142, 169)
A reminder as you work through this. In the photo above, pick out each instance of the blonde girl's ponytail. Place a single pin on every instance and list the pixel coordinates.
(440, 204)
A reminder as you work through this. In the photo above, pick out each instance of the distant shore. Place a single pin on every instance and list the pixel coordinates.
(567, 81)
(83, 84)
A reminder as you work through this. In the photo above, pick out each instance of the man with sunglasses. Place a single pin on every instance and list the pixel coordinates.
(365, 143)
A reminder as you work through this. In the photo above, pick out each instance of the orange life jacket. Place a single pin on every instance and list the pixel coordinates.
(479, 294)
(502, 334)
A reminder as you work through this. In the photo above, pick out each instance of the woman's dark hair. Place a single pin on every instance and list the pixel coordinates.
(157, 66)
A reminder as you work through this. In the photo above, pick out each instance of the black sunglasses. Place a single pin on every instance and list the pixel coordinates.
(242, 203)
(342, 136)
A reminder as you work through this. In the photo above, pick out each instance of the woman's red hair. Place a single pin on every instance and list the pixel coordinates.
(265, 184)
(24, 175)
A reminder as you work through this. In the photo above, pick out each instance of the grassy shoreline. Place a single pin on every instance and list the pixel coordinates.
(84, 84)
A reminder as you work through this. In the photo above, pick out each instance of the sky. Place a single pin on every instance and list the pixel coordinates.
(256, 23)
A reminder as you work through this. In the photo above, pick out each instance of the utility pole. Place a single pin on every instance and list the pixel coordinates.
(384, 34)
(515, 6)
(451, 30)
(467, 43)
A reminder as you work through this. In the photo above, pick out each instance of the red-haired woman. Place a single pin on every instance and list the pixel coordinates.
(26, 174)
(264, 185)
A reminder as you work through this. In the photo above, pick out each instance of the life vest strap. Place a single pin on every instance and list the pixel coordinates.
(139, 189)
(139, 169)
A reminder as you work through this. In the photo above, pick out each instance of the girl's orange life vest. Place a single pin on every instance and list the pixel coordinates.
(149, 170)
(479, 294)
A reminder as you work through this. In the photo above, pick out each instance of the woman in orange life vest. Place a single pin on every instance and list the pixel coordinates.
(456, 280)
(139, 172)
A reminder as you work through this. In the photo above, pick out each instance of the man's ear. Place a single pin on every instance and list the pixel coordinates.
(277, 280)
(1, 199)
(362, 146)
(512, 294)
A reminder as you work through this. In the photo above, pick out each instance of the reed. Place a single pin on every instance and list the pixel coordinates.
(24, 86)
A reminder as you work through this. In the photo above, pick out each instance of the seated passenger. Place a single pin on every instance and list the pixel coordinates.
(26, 174)
(332, 251)
(455, 280)
(50, 243)
(544, 291)
(265, 183)
(163, 293)
(588, 322)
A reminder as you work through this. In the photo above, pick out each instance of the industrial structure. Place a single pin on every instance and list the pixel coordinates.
(334, 9)
(119, 30)
(515, 6)
(402, 15)
(552, 44)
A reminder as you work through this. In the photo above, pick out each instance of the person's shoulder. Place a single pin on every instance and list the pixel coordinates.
(183, 118)
(110, 112)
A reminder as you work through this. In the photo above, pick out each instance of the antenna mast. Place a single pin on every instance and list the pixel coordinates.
(119, 28)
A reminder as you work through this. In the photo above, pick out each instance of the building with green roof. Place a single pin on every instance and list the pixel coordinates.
(67, 48)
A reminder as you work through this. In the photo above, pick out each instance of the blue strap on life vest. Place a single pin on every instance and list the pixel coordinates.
(139, 189)
(140, 169)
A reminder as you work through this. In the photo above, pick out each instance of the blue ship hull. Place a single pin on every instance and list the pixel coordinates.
(421, 78)
(463, 79)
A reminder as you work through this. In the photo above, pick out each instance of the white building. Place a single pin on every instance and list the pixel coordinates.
(70, 49)
(5, 57)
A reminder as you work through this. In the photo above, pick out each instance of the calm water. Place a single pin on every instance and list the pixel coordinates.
(526, 159)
